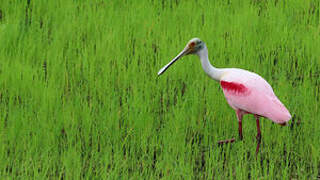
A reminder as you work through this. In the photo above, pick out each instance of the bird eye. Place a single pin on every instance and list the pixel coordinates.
(192, 44)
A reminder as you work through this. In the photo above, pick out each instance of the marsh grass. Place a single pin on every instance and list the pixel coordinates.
(80, 96)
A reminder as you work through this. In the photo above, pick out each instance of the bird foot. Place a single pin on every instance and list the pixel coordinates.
(226, 141)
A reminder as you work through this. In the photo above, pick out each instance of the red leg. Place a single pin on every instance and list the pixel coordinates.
(226, 141)
(239, 116)
(258, 134)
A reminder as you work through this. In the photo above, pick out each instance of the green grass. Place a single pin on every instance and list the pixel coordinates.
(80, 96)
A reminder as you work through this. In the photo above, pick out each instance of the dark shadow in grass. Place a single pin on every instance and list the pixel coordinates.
(295, 122)
(1, 15)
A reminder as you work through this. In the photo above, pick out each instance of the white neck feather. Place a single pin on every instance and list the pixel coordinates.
(214, 73)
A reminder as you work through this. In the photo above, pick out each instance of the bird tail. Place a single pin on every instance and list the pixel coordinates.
(279, 113)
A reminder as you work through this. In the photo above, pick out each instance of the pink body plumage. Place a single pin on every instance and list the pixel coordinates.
(250, 93)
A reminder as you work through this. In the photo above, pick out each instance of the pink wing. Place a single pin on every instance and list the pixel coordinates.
(249, 92)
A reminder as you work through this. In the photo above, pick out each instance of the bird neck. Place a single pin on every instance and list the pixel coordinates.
(213, 72)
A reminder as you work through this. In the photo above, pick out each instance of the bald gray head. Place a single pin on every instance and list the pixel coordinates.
(194, 46)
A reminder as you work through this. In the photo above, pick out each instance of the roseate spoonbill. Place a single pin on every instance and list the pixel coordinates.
(246, 92)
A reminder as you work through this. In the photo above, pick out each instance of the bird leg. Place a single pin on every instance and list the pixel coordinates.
(258, 134)
(239, 116)
(226, 141)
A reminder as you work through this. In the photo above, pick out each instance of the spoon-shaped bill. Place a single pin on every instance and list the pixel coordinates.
(182, 53)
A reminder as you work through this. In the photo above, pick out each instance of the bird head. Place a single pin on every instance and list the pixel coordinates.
(193, 47)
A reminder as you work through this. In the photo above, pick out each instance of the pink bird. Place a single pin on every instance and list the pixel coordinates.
(246, 92)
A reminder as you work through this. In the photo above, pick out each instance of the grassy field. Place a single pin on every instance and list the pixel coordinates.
(80, 96)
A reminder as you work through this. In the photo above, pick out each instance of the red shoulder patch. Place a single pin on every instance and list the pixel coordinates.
(234, 87)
